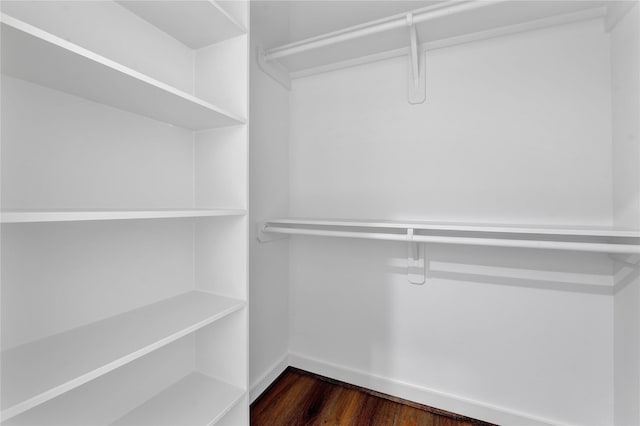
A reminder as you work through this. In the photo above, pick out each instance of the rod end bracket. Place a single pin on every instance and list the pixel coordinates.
(416, 271)
(417, 84)
(264, 236)
(273, 69)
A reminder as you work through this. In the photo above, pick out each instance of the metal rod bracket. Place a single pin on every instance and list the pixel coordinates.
(415, 260)
(417, 85)
(263, 236)
(273, 69)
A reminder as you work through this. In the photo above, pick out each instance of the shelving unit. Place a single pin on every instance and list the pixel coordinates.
(104, 144)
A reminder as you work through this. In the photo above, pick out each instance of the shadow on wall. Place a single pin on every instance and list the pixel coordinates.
(498, 326)
(626, 271)
(545, 270)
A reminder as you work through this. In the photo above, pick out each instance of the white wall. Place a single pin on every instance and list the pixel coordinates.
(44, 170)
(515, 130)
(627, 346)
(269, 197)
(625, 90)
(625, 70)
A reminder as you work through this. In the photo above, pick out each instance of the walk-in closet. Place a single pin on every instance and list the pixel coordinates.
(208, 203)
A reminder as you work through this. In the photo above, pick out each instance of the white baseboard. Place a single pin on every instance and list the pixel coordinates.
(263, 382)
(433, 398)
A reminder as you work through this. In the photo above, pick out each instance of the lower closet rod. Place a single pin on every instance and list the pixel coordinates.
(493, 242)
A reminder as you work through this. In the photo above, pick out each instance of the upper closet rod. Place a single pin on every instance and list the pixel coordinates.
(397, 21)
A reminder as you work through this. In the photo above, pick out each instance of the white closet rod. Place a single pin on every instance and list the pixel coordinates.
(347, 234)
(493, 242)
(398, 21)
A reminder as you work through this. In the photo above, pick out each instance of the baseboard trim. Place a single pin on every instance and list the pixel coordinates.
(263, 382)
(442, 400)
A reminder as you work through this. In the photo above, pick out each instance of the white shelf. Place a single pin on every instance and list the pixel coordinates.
(34, 55)
(594, 239)
(195, 400)
(439, 25)
(30, 216)
(39, 371)
(194, 23)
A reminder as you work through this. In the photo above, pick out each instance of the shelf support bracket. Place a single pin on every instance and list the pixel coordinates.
(273, 69)
(417, 85)
(266, 237)
(415, 260)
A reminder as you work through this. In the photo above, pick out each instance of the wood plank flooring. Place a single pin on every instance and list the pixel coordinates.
(300, 398)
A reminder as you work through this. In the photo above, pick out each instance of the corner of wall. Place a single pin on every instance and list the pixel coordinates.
(625, 73)
(269, 197)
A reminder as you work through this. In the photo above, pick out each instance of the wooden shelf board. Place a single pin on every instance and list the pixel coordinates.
(194, 23)
(34, 55)
(68, 215)
(195, 400)
(39, 371)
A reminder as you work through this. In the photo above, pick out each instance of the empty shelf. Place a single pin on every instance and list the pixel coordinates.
(195, 400)
(27, 216)
(594, 239)
(438, 25)
(39, 371)
(195, 23)
(34, 55)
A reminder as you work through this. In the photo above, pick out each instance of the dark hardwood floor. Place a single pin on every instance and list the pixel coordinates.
(300, 398)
